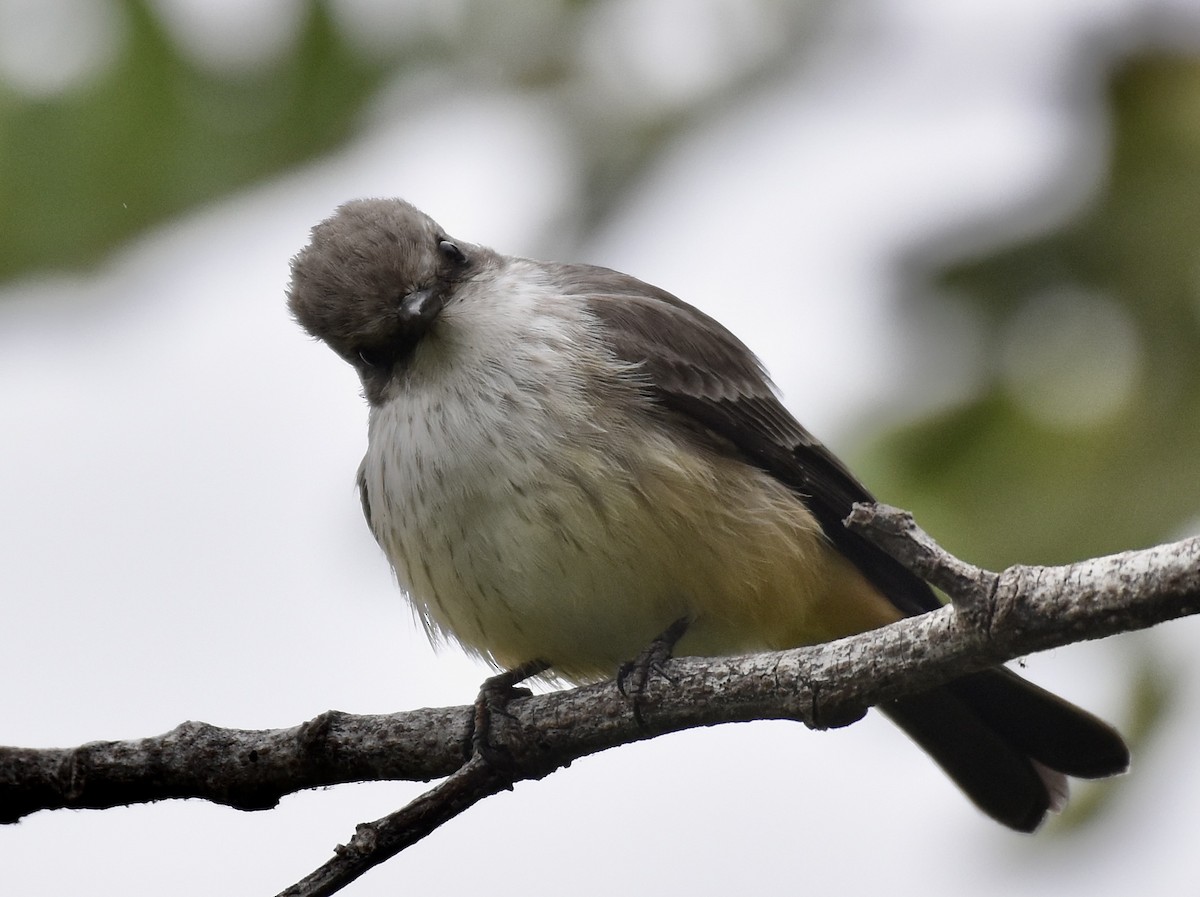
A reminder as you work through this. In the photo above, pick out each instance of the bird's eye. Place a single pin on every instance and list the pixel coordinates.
(450, 252)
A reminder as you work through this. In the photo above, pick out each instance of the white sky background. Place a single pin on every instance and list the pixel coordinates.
(180, 537)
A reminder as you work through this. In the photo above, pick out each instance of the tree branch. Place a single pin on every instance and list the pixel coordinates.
(993, 618)
(376, 842)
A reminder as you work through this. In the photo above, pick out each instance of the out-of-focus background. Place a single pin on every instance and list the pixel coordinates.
(965, 237)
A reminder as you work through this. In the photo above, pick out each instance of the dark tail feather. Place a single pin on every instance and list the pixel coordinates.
(1043, 725)
(986, 730)
(1000, 780)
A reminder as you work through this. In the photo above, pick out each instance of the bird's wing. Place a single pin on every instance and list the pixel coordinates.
(697, 369)
(360, 480)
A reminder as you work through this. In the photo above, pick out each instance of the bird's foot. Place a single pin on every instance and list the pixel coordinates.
(634, 675)
(493, 699)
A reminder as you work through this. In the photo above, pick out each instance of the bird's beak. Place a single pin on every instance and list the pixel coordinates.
(420, 307)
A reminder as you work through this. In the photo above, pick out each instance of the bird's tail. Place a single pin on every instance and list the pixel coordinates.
(1008, 743)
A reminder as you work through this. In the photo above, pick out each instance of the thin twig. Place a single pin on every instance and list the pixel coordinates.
(376, 842)
(896, 532)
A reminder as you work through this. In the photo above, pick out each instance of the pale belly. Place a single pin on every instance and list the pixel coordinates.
(581, 551)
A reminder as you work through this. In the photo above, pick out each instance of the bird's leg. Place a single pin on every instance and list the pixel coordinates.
(634, 674)
(492, 700)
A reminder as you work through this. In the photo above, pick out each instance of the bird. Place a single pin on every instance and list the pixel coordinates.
(563, 460)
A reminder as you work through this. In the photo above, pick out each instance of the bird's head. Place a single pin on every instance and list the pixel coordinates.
(372, 281)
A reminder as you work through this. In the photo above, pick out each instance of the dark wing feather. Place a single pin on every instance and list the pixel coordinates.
(699, 370)
(360, 480)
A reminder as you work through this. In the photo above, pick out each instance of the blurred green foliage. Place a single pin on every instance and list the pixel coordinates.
(1000, 484)
(999, 480)
(155, 134)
